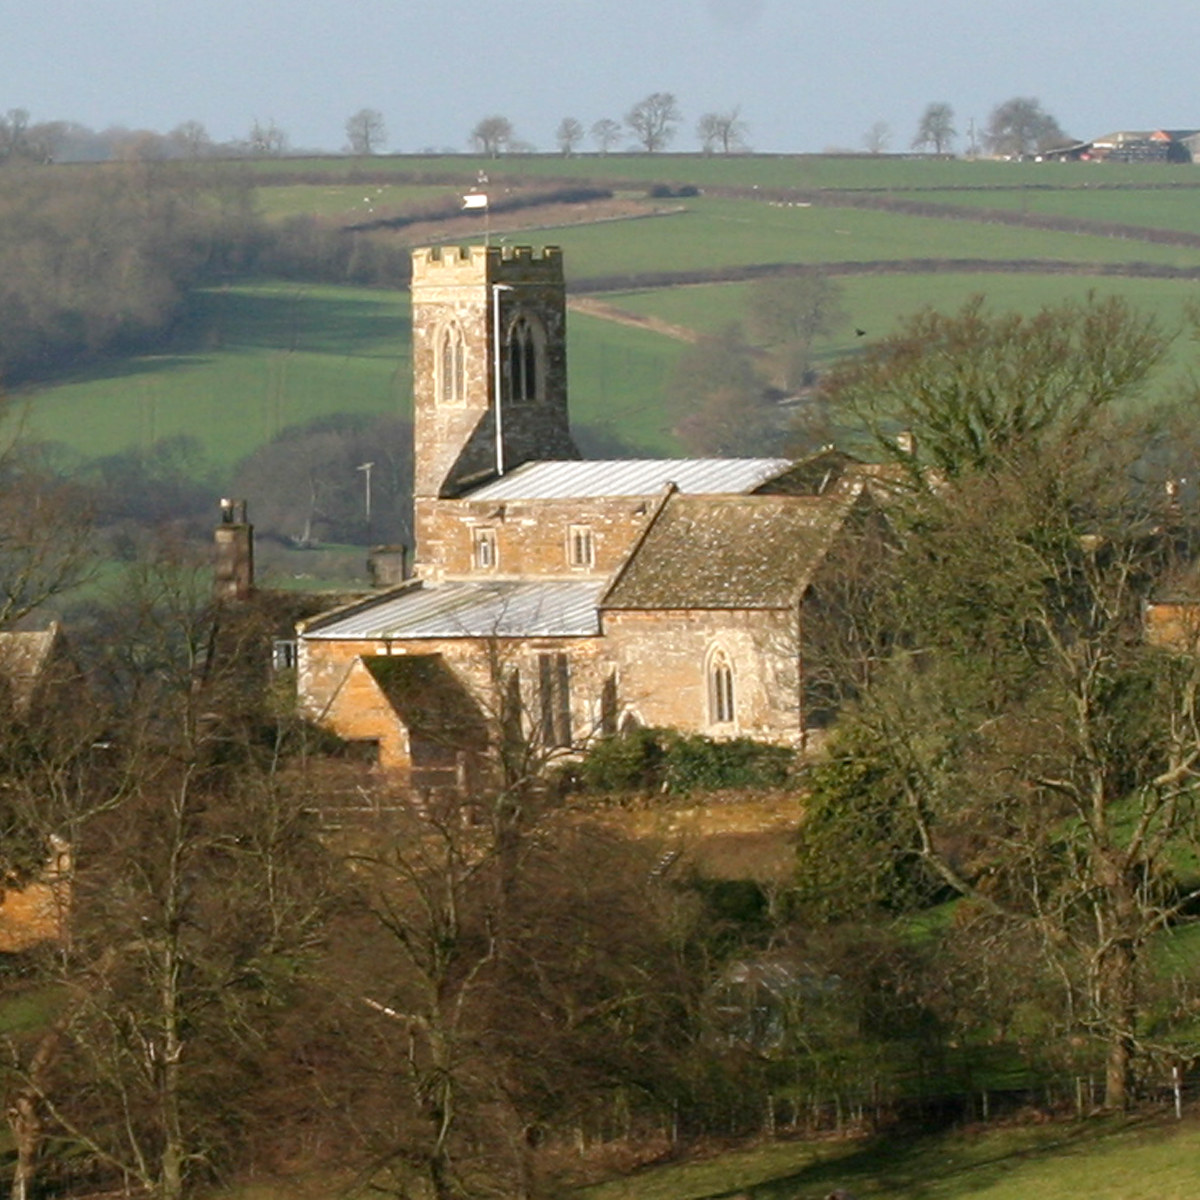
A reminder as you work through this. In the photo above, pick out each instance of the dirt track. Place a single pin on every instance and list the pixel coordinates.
(621, 316)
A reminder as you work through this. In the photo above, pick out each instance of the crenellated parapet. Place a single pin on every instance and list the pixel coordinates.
(468, 266)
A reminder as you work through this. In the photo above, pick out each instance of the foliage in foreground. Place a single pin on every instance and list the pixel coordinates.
(1013, 735)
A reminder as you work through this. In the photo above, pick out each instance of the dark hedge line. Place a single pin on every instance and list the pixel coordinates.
(498, 204)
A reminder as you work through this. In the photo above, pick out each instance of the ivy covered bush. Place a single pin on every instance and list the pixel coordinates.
(665, 761)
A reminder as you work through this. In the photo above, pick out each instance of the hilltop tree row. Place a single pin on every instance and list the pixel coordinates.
(651, 124)
(1016, 128)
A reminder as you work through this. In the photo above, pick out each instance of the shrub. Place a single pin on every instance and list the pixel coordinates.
(628, 762)
(662, 760)
(698, 763)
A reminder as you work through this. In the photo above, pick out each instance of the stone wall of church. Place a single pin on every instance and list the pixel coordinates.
(542, 538)
(337, 691)
(664, 663)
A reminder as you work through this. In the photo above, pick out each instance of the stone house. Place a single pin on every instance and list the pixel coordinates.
(36, 675)
(568, 597)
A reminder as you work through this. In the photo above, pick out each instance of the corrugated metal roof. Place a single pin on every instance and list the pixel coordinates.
(631, 477)
(498, 608)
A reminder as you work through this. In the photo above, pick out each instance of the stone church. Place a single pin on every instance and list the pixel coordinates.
(574, 598)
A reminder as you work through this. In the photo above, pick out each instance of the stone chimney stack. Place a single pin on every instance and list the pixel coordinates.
(388, 566)
(233, 570)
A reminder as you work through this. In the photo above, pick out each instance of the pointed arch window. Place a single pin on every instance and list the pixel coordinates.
(452, 365)
(526, 360)
(722, 707)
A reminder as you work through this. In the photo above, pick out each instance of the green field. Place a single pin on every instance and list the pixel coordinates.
(876, 302)
(1126, 1160)
(875, 172)
(247, 362)
(348, 201)
(255, 357)
(1176, 208)
(721, 233)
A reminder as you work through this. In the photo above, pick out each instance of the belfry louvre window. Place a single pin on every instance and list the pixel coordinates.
(452, 370)
(484, 548)
(524, 361)
(721, 710)
(580, 550)
(554, 700)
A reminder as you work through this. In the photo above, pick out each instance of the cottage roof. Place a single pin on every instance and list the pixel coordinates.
(732, 552)
(630, 477)
(24, 658)
(486, 608)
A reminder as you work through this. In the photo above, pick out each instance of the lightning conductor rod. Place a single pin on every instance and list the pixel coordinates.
(497, 342)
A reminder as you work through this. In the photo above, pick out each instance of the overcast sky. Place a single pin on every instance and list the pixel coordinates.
(807, 74)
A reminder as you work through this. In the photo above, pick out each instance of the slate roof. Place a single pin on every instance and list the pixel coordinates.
(487, 608)
(630, 477)
(751, 552)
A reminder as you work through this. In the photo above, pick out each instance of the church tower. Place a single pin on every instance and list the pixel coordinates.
(489, 364)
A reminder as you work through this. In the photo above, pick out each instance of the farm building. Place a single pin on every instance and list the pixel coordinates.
(1135, 146)
(574, 597)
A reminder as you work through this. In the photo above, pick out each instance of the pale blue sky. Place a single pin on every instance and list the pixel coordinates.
(807, 74)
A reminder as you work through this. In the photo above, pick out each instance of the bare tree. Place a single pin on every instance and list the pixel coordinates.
(365, 131)
(479, 1022)
(1021, 126)
(210, 880)
(14, 131)
(45, 534)
(653, 119)
(877, 139)
(568, 135)
(726, 408)
(787, 314)
(606, 133)
(723, 131)
(266, 139)
(936, 129)
(492, 135)
(191, 138)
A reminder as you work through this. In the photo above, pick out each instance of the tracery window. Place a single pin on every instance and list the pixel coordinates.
(526, 360)
(721, 700)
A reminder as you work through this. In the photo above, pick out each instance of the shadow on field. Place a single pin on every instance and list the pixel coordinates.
(315, 320)
(306, 319)
(921, 1166)
(147, 362)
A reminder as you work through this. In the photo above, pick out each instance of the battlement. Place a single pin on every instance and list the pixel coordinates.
(465, 266)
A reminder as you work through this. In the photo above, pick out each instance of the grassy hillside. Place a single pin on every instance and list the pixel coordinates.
(252, 359)
(878, 172)
(720, 232)
(1165, 207)
(246, 362)
(1135, 1160)
(347, 201)
(255, 357)
(875, 302)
